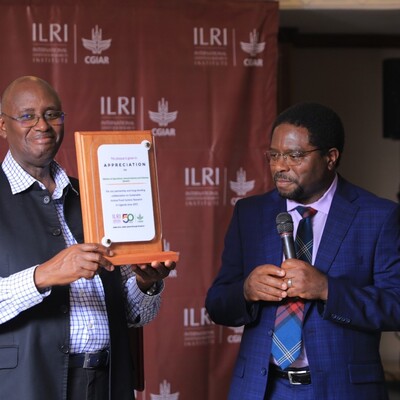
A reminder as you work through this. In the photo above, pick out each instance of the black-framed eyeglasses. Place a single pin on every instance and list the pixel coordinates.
(29, 120)
(291, 158)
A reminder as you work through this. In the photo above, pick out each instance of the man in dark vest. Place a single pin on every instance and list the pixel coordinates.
(64, 308)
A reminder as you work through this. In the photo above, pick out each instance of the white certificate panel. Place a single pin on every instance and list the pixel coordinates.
(125, 185)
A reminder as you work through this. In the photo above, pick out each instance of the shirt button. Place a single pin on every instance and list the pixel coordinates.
(263, 371)
(46, 199)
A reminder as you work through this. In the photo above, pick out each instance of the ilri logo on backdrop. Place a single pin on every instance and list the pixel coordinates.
(206, 186)
(117, 113)
(49, 43)
(210, 46)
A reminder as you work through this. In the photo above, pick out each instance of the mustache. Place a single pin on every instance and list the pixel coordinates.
(280, 175)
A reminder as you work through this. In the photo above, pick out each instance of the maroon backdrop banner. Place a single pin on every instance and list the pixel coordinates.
(202, 77)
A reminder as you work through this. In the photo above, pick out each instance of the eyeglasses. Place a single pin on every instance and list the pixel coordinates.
(291, 158)
(29, 120)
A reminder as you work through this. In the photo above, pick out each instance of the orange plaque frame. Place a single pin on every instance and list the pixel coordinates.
(138, 252)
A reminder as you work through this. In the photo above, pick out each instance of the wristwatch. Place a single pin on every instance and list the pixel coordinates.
(151, 291)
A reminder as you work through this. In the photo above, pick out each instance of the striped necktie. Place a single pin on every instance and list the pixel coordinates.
(286, 339)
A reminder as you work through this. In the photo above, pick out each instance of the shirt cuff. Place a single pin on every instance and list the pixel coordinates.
(43, 292)
(24, 291)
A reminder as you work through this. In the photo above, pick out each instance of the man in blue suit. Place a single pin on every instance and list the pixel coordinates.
(350, 289)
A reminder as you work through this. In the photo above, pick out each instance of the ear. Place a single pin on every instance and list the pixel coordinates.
(332, 157)
(3, 129)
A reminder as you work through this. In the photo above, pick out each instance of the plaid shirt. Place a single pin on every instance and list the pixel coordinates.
(88, 317)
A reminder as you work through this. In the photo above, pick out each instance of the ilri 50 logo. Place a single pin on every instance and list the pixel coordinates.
(96, 45)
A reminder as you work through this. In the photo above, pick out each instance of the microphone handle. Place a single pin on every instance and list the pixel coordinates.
(288, 245)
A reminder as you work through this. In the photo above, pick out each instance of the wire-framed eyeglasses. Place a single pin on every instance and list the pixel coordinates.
(29, 120)
(291, 158)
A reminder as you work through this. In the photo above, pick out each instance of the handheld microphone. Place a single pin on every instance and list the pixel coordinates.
(284, 225)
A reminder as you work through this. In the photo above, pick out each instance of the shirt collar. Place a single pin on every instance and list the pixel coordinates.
(20, 180)
(321, 205)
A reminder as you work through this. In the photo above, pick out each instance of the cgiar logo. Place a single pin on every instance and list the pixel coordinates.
(165, 392)
(253, 47)
(236, 335)
(96, 45)
(163, 117)
(241, 186)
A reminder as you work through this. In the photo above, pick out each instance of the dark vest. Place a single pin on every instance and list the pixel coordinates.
(34, 346)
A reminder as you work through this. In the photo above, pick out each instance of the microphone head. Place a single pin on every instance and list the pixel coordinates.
(284, 223)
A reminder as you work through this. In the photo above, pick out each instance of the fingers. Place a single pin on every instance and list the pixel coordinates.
(155, 271)
(170, 264)
(75, 262)
(256, 291)
(98, 255)
(95, 248)
(265, 283)
(295, 278)
(90, 257)
(147, 274)
(305, 281)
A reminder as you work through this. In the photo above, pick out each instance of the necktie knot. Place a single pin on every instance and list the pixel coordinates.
(306, 212)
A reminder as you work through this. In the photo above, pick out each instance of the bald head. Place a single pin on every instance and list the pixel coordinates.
(22, 84)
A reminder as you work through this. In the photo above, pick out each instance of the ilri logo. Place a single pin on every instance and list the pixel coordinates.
(241, 186)
(53, 33)
(96, 45)
(163, 117)
(50, 43)
(253, 48)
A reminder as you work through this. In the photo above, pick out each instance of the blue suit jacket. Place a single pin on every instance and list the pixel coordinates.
(360, 254)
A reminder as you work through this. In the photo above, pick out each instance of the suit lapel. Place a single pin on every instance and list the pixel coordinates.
(340, 218)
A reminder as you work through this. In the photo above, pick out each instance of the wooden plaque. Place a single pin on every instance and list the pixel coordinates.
(119, 195)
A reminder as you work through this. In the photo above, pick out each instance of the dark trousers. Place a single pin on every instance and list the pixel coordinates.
(88, 384)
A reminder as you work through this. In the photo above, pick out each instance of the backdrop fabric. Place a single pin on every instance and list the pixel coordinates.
(202, 77)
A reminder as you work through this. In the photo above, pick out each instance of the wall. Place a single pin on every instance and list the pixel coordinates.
(350, 81)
